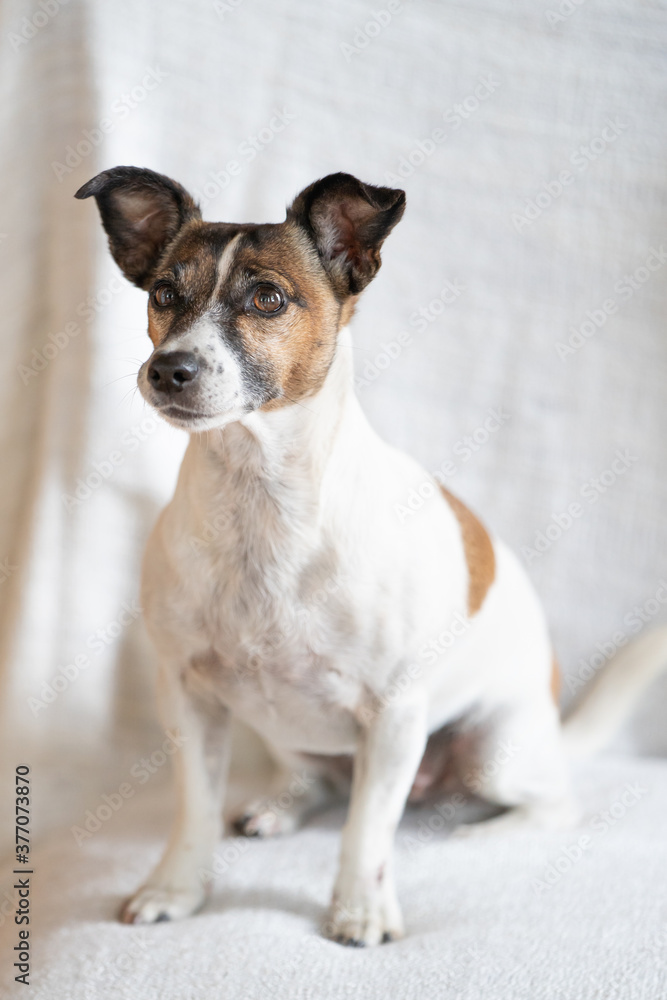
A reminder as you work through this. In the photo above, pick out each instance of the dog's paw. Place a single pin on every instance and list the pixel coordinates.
(152, 904)
(375, 919)
(560, 815)
(261, 818)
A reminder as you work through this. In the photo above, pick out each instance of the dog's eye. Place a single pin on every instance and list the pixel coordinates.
(268, 299)
(164, 295)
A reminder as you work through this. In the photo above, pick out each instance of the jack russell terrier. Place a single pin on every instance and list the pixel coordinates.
(417, 650)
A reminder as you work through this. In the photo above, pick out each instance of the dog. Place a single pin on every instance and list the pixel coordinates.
(410, 655)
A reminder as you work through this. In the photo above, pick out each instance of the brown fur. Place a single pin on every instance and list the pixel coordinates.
(293, 350)
(154, 331)
(479, 552)
(190, 265)
(298, 346)
(321, 258)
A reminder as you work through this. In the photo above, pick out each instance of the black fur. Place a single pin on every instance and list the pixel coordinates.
(142, 212)
(348, 221)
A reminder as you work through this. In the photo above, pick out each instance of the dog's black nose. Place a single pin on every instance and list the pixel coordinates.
(172, 371)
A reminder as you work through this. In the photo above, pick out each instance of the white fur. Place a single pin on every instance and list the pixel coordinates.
(614, 693)
(281, 585)
(220, 395)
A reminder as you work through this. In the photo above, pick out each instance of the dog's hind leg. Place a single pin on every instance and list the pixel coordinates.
(299, 787)
(519, 763)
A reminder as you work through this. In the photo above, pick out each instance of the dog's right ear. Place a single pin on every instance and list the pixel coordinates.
(141, 212)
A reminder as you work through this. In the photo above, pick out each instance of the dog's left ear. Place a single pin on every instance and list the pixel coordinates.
(348, 222)
(141, 212)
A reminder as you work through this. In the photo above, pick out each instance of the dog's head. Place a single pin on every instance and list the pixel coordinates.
(242, 317)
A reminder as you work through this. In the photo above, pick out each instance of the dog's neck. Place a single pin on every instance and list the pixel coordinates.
(289, 446)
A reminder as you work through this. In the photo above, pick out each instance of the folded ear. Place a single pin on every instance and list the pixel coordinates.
(141, 212)
(348, 221)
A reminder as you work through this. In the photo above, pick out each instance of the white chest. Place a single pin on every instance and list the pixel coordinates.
(281, 652)
(282, 577)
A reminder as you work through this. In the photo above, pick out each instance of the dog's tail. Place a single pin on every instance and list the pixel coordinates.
(594, 720)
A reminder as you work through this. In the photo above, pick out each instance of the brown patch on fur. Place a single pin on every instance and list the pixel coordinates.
(479, 552)
(555, 680)
(190, 266)
(297, 346)
(347, 309)
(291, 352)
(153, 329)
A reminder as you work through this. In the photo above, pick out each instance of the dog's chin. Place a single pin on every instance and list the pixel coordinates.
(194, 420)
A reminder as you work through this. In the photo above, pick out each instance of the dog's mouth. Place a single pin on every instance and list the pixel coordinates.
(191, 411)
(184, 417)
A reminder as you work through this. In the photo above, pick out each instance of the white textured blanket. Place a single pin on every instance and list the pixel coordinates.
(514, 341)
(538, 916)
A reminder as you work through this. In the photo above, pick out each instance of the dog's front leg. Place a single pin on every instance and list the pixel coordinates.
(364, 908)
(175, 889)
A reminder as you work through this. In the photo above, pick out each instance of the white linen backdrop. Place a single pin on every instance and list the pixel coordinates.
(530, 139)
